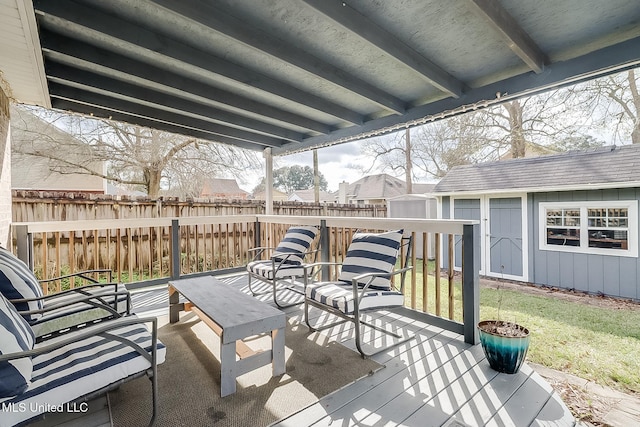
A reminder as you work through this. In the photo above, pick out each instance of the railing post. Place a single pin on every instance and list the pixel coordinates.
(471, 282)
(324, 248)
(175, 249)
(24, 244)
(257, 236)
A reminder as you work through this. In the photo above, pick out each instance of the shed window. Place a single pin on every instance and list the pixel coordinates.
(606, 228)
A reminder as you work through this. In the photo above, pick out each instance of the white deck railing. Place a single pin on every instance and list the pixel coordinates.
(145, 252)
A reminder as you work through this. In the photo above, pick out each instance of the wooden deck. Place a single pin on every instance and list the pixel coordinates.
(434, 380)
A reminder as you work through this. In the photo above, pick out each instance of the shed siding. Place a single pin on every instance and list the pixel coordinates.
(611, 275)
(464, 209)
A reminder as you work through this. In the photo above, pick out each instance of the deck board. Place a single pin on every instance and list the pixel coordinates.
(435, 379)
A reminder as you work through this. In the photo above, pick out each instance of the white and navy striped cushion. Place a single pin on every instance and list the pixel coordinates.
(78, 369)
(17, 282)
(295, 243)
(15, 336)
(372, 253)
(265, 269)
(339, 295)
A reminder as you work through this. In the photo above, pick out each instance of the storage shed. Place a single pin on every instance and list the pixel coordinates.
(568, 220)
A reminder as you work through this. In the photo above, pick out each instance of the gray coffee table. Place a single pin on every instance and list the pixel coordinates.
(233, 316)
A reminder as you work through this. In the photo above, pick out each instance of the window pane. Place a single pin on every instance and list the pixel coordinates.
(620, 212)
(554, 221)
(610, 239)
(563, 237)
(597, 212)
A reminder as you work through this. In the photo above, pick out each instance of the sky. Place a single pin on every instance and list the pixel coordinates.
(337, 164)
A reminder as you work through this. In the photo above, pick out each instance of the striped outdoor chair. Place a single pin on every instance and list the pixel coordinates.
(364, 284)
(52, 314)
(285, 262)
(75, 367)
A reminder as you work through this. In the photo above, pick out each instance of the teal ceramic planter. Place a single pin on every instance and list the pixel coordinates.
(504, 353)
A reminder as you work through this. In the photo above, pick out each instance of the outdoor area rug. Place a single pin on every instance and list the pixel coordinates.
(189, 380)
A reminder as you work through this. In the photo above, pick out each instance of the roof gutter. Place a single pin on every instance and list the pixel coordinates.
(576, 187)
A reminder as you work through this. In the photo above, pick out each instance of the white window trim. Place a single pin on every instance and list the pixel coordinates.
(632, 244)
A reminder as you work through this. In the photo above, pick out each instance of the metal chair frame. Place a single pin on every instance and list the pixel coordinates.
(359, 291)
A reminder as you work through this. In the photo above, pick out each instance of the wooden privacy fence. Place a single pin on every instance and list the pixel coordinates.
(151, 251)
(38, 206)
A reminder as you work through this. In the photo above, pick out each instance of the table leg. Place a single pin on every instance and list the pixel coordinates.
(227, 368)
(277, 352)
(174, 305)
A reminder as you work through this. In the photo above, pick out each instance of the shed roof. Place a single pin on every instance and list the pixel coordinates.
(604, 167)
(297, 74)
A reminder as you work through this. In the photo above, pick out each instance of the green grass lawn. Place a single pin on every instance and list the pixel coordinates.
(592, 342)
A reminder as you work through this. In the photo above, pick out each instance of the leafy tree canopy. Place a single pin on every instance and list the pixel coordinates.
(292, 178)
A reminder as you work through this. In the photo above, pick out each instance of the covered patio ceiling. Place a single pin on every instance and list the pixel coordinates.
(297, 74)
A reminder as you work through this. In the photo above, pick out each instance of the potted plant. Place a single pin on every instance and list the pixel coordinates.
(505, 344)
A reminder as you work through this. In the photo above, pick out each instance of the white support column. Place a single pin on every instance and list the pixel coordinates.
(5, 169)
(268, 182)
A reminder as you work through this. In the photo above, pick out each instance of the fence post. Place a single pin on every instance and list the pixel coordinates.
(24, 241)
(471, 282)
(324, 248)
(175, 249)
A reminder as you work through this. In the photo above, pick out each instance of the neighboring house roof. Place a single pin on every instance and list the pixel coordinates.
(276, 194)
(602, 167)
(531, 150)
(222, 187)
(382, 186)
(420, 188)
(309, 196)
(32, 172)
(372, 187)
(119, 191)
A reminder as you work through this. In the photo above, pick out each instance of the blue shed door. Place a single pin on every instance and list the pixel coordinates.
(505, 237)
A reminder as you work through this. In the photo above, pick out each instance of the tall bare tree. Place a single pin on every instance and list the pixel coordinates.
(389, 153)
(141, 158)
(441, 145)
(613, 104)
(535, 125)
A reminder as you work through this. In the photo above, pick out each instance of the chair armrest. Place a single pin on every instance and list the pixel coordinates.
(280, 259)
(309, 271)
(81, 290)
(95, 301)
(358, 279)
(82, 274)
(103, 330)
(260, 248)
(303, 254)
(258, 251)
